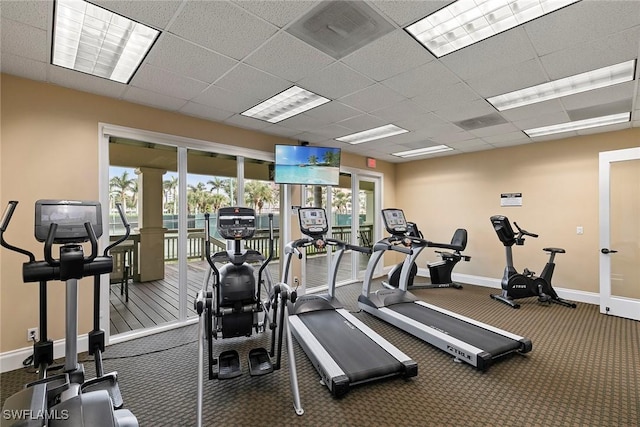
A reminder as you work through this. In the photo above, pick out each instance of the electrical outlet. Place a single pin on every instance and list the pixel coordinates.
(296, 282)
(32, 334)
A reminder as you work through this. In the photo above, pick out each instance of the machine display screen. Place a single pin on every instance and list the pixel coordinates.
(70, 216)
(394, 220)
(313, 220)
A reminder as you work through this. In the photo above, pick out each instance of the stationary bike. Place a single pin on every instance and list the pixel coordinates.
(525, 285)
(61, 396)
(440, 271)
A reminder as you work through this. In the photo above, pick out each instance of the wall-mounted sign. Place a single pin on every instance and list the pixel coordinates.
(511, 199)
(371, 162)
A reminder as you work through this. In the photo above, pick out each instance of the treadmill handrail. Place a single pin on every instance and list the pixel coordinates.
(388, 244)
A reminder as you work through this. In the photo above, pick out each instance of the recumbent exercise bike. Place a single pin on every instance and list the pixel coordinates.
(515, 285)
(440, 271)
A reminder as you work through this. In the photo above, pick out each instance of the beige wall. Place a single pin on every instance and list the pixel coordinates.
(49, 149)
(559, 183)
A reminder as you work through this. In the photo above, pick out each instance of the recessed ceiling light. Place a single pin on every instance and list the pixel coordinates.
(289, 103)
(92, 40)
(580, 124)
(466, 22)
(372, 134)
(422, 151)
(602, 77)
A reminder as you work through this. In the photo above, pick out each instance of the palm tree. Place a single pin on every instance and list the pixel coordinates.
(171, 189)
(196, 198)
(218, 201)
(120, 185)
(313, 159)
(229, 186)
(257, 193)
(340, 200)
(216, 184)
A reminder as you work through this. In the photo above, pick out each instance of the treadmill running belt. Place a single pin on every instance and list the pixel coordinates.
(494, 344)
(358, 356)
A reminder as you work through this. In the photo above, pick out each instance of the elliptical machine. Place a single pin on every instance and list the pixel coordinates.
(233, 306)
(66, 399)
(440, 271)
(515, 285)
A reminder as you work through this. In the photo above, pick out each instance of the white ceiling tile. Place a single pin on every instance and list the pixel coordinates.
(253, 81)
(278, 12)
(205, 112)
(533, 110)
(156, 13)
(402, 110)
(372, 98)
(610, 128)
(420, 122)
(581, 22)
(508, 79)
(405, 12)
(288, 57)
(302, 122)
(31, 12)
(511, 143)
(451, 138)
(335, 81)
(276, 129)
(84, 82)
(326, 132)
(181, 57)
(442, 130)
(583, 57)
(24, 40)
(506, 138)
(226, 100)
(468, 110)
(333, 111)
(246, 122)
(497, 52)
(446, 97)
(546, 119)
(601, 96)
(221, 26)
(501, 129)
(362, 122)
(389, 55)
(166, 83)
(146, 97)
(423, 79)
(23, 67)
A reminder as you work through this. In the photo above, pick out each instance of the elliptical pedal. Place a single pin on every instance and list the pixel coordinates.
(229, 365)
(259, 362)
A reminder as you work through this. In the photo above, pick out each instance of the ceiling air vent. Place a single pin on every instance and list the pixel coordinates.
(340, 27)
(481, 122)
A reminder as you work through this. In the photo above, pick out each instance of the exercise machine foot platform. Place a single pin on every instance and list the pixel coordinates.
(61, 396)
(232, 303)
(466, 339)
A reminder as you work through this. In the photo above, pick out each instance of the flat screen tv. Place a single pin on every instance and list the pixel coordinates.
(307, 165)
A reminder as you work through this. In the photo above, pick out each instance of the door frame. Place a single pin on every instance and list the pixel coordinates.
(609, 304)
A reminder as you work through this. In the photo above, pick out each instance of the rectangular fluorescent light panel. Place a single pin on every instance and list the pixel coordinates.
(289, 103)
(578, 125)
(466, 22)
(595, 79)
(92, 40)
(423, 151)
(372, 134)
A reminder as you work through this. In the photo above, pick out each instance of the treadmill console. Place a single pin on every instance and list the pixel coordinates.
(394, 221)
(313, 221)
(236, 223)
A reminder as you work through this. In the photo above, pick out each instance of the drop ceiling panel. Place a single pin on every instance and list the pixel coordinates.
(34, 13)
(335, 81)
(221, 26)
(362, 122)
(244, 78)
(372, 97)
(288, 57)
(465, 111)
(446, 97)
(24, 40)
(582, 22)
(181, 57)
(166, 83)
(246, 122)
(156, 13)
(333, 111)
(278, 12)
(533, 110)
(405, 12)
(402, 110)
(619, 92)
(423, 79)
(24, 67)
(513, 77)
(205, 111)
(225, 100)
(84, 82)
(146, 97)
(391, 54)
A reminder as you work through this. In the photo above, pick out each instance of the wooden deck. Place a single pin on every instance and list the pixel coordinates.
(156, 302)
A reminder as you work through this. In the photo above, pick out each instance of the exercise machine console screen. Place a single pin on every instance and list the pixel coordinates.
(70, 217)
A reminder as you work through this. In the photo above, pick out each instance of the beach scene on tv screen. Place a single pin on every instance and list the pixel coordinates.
(307, 165)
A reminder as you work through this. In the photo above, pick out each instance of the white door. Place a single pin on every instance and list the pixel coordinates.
(620, 233)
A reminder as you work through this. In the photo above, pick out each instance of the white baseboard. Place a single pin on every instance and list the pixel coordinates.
(489, 282)
(12, 360)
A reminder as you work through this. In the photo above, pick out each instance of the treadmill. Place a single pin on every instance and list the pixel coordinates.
(468, 340)
(344, 350)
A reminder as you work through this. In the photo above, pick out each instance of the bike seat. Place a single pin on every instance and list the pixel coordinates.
(554, 250)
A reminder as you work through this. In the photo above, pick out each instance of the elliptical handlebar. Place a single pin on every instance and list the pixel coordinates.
(127, 228)
(4, 224)
(207, 246)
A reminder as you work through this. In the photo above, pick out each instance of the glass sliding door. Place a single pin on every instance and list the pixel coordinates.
(142, 293)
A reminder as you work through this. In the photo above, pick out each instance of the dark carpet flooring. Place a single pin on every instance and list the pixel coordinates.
(584, 370)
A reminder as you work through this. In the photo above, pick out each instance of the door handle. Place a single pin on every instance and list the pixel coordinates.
(608, 251)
